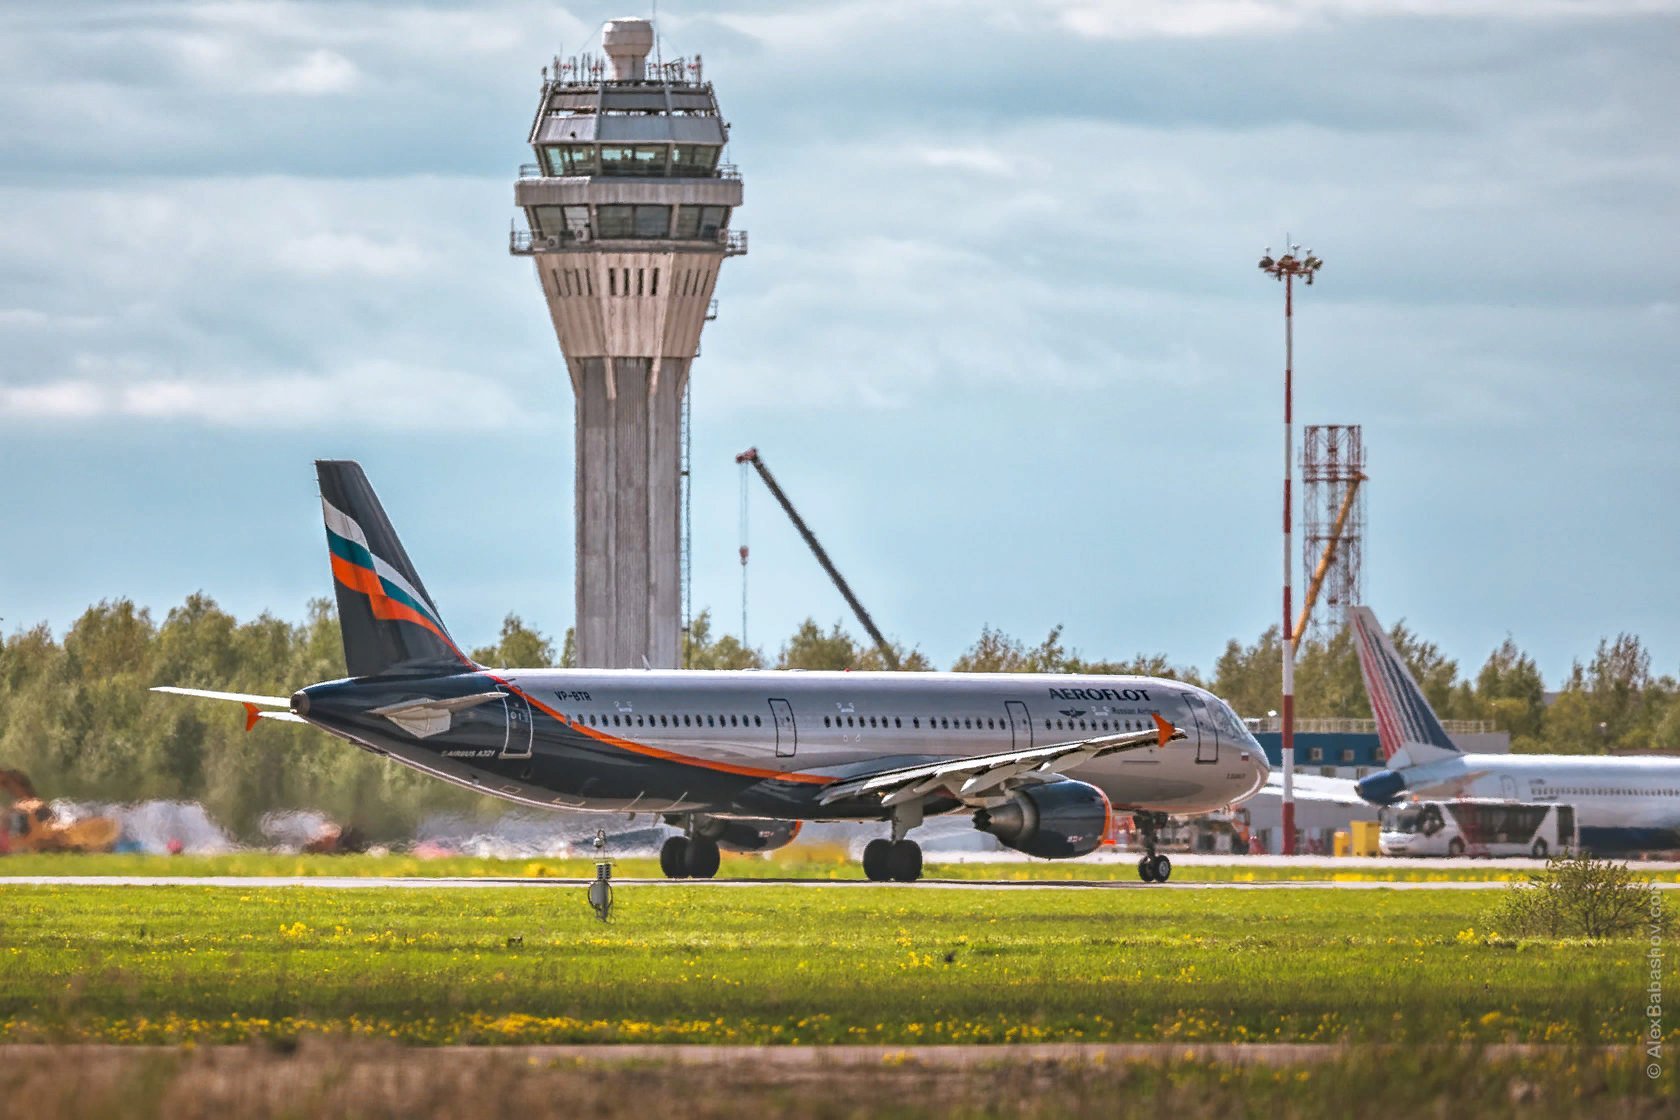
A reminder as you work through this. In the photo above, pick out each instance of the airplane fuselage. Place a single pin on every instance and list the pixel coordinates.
(766, 743)
(1621, 804)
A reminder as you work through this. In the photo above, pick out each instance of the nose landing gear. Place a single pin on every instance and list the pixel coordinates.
(1153, 867)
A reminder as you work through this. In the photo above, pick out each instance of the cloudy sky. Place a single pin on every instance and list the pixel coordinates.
(1000, 333)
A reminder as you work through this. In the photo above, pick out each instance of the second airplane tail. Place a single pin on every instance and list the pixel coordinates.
(389, 623)
(1407, 727)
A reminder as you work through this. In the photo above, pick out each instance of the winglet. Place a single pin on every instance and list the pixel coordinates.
(252, 714)
(1163, 729)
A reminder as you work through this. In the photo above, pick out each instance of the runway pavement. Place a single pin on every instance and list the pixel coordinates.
(346, 883)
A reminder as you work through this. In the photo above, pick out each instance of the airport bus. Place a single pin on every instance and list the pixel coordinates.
(1477, 827)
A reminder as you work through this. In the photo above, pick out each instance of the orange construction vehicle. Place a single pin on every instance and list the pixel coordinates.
(31, 825)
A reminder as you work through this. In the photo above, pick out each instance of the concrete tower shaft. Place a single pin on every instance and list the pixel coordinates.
(626, 215)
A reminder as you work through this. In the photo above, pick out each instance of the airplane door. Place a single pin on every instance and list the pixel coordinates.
(518, 741)
(1207, 732)
(1507, 787)
(787, 735)
(1020, 724)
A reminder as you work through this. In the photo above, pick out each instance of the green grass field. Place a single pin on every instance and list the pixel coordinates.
(797, 862)
(893, 965)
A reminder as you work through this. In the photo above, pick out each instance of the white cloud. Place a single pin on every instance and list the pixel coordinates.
(59, 400)
(374, 395)
(1152, 19)
(317, 72)
(348, 254)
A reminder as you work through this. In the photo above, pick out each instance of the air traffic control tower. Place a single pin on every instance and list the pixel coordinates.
(627, 221)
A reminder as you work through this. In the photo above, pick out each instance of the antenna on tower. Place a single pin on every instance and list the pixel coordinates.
(658, 46)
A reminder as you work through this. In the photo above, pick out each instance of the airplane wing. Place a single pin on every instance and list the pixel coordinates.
(1446, 788)
(1315, 787)
(254, 704)
(984, 775)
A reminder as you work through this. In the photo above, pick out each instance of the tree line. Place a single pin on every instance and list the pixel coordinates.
(76, 713)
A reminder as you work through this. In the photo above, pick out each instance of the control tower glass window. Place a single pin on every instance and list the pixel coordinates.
(712, 220)
(570, 159)
(694, 161)
(653, 221)
(569, 222)
(615, 222)
(641, 160)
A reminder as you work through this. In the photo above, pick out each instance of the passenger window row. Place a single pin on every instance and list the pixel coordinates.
(690, 719)
(979, 723)
(934, 723)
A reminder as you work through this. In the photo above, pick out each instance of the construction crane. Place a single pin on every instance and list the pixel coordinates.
(750, 455)
(1329, 558)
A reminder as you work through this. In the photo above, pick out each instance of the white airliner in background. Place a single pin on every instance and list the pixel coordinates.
(1622, 804)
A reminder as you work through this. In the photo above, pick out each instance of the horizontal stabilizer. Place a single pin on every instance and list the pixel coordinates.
(236, 697)
(254, 705)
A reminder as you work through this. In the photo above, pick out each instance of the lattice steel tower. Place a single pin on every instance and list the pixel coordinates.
(627, 220)
(1333, 497)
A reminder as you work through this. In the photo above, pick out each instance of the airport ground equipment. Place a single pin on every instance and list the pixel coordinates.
(600, 889)
(31, 825)
(751, 457)
(627, 220)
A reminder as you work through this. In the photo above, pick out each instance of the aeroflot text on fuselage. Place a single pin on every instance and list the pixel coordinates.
(1100, 694)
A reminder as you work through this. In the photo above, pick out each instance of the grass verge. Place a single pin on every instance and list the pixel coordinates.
(892, 965)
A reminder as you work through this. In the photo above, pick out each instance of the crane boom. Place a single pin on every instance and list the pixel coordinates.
(1328, 558)
(750, 455)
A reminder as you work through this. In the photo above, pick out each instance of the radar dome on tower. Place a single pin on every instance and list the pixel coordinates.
(627, 42)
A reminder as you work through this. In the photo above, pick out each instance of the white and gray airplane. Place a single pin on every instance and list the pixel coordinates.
(739, 760)
(1622, 804)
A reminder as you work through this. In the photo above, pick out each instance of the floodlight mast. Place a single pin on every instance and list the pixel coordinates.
(1295, 262)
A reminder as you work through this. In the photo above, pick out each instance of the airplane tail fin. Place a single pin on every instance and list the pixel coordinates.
(1407, 728)
(388, 622)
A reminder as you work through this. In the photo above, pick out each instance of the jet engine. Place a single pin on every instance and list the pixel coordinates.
(748, 835)
(1058, 820)
(1382, 788)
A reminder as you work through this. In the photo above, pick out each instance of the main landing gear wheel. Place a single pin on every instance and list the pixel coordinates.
(673, 857)
(904, 861)
(1153, 867)
(702, 858)
(875, 855)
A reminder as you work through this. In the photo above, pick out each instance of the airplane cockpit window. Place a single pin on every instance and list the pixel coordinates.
(1231, 726)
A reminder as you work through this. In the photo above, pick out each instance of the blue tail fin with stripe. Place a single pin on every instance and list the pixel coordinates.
(389, 623)
(1407, 727)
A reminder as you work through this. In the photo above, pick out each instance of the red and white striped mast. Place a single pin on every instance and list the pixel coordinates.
(1286, 268)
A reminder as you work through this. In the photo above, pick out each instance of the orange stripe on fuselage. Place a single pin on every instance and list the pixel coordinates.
(656, 752)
